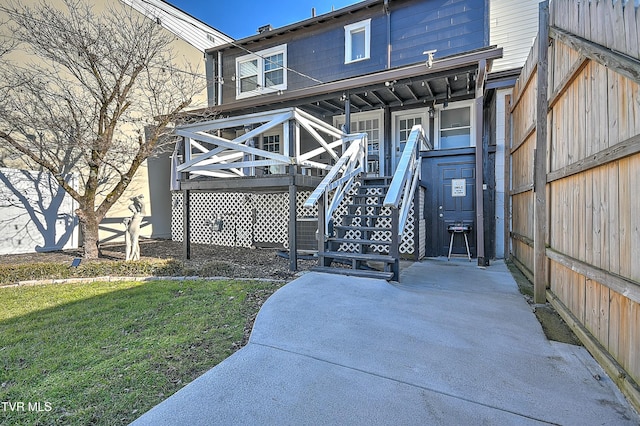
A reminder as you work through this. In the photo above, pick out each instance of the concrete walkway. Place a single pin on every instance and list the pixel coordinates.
(452, 344)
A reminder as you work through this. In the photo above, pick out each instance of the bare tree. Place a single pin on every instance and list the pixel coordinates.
(93, 84)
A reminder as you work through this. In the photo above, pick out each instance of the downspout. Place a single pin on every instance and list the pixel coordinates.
(210, 71)
(219, 79)
(388, 13)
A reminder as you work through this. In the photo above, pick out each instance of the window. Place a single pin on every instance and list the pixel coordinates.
(248, 72)
(406, 124)
(455, 128)
(271, 143)
(371, 124)
(274, 70)
(357, 46)
(262, 72)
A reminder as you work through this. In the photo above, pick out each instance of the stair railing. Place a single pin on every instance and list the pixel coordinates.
(352, 163)
(406, 177)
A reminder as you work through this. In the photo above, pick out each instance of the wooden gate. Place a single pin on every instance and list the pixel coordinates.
(574, 160)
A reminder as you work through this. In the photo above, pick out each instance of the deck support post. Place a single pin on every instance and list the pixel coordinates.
(291, 134)
(394, 249)
(322, 226)
(186, 224)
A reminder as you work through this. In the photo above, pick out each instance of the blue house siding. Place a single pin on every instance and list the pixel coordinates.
(322, 56)
(450, 26)
(317, 50)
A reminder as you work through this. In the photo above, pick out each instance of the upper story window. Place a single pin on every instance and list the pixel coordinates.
(262, 72)
(357, 41)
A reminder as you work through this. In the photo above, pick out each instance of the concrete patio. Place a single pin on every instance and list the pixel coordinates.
(450, 344)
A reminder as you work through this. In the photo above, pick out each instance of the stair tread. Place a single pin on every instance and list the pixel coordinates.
(358, 196)
(366, 205)
(357, 241)
(358, 256)
(360, 228)
(370, 178)
(379, 186)
(364, 273)
(366, 215)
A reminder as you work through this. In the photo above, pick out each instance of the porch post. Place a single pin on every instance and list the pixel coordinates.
(480, 164)
(388, 144)
(347, 115)
(290, 135)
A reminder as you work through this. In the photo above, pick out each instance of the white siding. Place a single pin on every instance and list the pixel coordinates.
(195, 32)
(513, 25)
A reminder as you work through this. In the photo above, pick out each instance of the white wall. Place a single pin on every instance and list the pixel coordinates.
(513, 25)
(35, 213)
(501, 185)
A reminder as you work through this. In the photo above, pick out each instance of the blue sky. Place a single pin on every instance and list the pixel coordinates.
(242, 18)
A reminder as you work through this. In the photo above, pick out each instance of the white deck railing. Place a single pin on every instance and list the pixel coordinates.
(208, 154)
(407, 175)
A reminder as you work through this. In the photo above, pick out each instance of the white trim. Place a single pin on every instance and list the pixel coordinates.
(190, 29)
(395, 131)
(353, 28)
(259, 57)
(453, 105)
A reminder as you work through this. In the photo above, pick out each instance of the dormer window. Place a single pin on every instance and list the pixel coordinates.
(262, 72)
(357, 41)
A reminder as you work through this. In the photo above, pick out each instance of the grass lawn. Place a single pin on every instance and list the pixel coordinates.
(104, 353)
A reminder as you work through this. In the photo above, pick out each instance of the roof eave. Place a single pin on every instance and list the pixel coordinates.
(443, 65)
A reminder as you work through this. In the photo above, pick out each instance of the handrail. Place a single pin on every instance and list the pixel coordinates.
(405, 179)
(341, 176)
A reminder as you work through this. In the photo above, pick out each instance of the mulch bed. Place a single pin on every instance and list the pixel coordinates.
(206, 260)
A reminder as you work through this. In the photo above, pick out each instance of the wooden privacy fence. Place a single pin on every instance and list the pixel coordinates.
(574, 166)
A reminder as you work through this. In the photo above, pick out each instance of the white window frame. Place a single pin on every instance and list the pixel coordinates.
(339, 120)
(273, 170)
(260, 58)
(453, 105)
(348, 31)
(423, 113)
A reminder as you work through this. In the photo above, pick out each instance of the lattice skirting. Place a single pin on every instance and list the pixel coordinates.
(253, 219)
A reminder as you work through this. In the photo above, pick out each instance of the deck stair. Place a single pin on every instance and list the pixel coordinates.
(361, 218)
(361, 241)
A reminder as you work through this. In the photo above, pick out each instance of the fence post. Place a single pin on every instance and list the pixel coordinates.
(540, 160)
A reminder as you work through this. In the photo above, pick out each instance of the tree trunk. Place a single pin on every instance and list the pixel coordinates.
(89, 227)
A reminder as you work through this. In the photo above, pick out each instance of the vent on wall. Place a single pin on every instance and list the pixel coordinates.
(306, 234)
